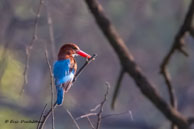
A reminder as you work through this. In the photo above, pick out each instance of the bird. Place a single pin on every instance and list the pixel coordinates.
(65, 67)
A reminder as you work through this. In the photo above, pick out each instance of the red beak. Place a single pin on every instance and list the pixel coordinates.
(83, 54)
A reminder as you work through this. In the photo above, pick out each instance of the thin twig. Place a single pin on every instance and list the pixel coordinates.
(51, 34)
(30, 46)
(86, 115)
(130, 114)
(95, 108)
(100, 106)
(117, 88)
(99, 115)
(82, 68)
(52, 86)
(116, 114)
(45, 117)
(90, 122)
(177, 45)
(74, 121)
(104, 116)
(53, 51)
(43, 111)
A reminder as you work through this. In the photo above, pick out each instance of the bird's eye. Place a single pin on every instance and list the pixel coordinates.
(74, 48)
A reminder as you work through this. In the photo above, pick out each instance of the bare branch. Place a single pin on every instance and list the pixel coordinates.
(117, 88)
(100, 107)
(43, 111)
(86, 115)
(51, 34)
(130, 66)
(30, 46)
(178, 44)
(82, 68)
(90, 122)
(116, 114)
(46, 116)
(74, 121)
(99, 115)
(105, 116)
(95, 108)
(52, 86)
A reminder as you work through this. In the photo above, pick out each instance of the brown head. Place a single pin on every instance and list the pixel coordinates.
(70, 50)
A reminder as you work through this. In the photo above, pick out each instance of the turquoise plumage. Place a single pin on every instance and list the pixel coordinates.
(65, 68)
(62, 74)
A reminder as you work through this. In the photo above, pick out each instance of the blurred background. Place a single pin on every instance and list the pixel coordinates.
(147, 26)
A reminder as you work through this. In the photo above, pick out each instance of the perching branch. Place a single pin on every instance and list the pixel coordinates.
(82, 68)
(30, 46)
(45, 117)
(130, 66)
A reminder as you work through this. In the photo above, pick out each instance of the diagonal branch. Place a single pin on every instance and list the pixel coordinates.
(130, 66)
(117, 88)
(43, 111)
(90, 122)
(83, 67)
(46, 116)
(74, 121)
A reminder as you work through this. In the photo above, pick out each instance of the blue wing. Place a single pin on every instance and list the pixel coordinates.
(62, 74)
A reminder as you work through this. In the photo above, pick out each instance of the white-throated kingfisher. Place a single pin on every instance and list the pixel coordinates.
(65, 68)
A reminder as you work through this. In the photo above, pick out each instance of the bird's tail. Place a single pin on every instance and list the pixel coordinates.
(60, 95)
